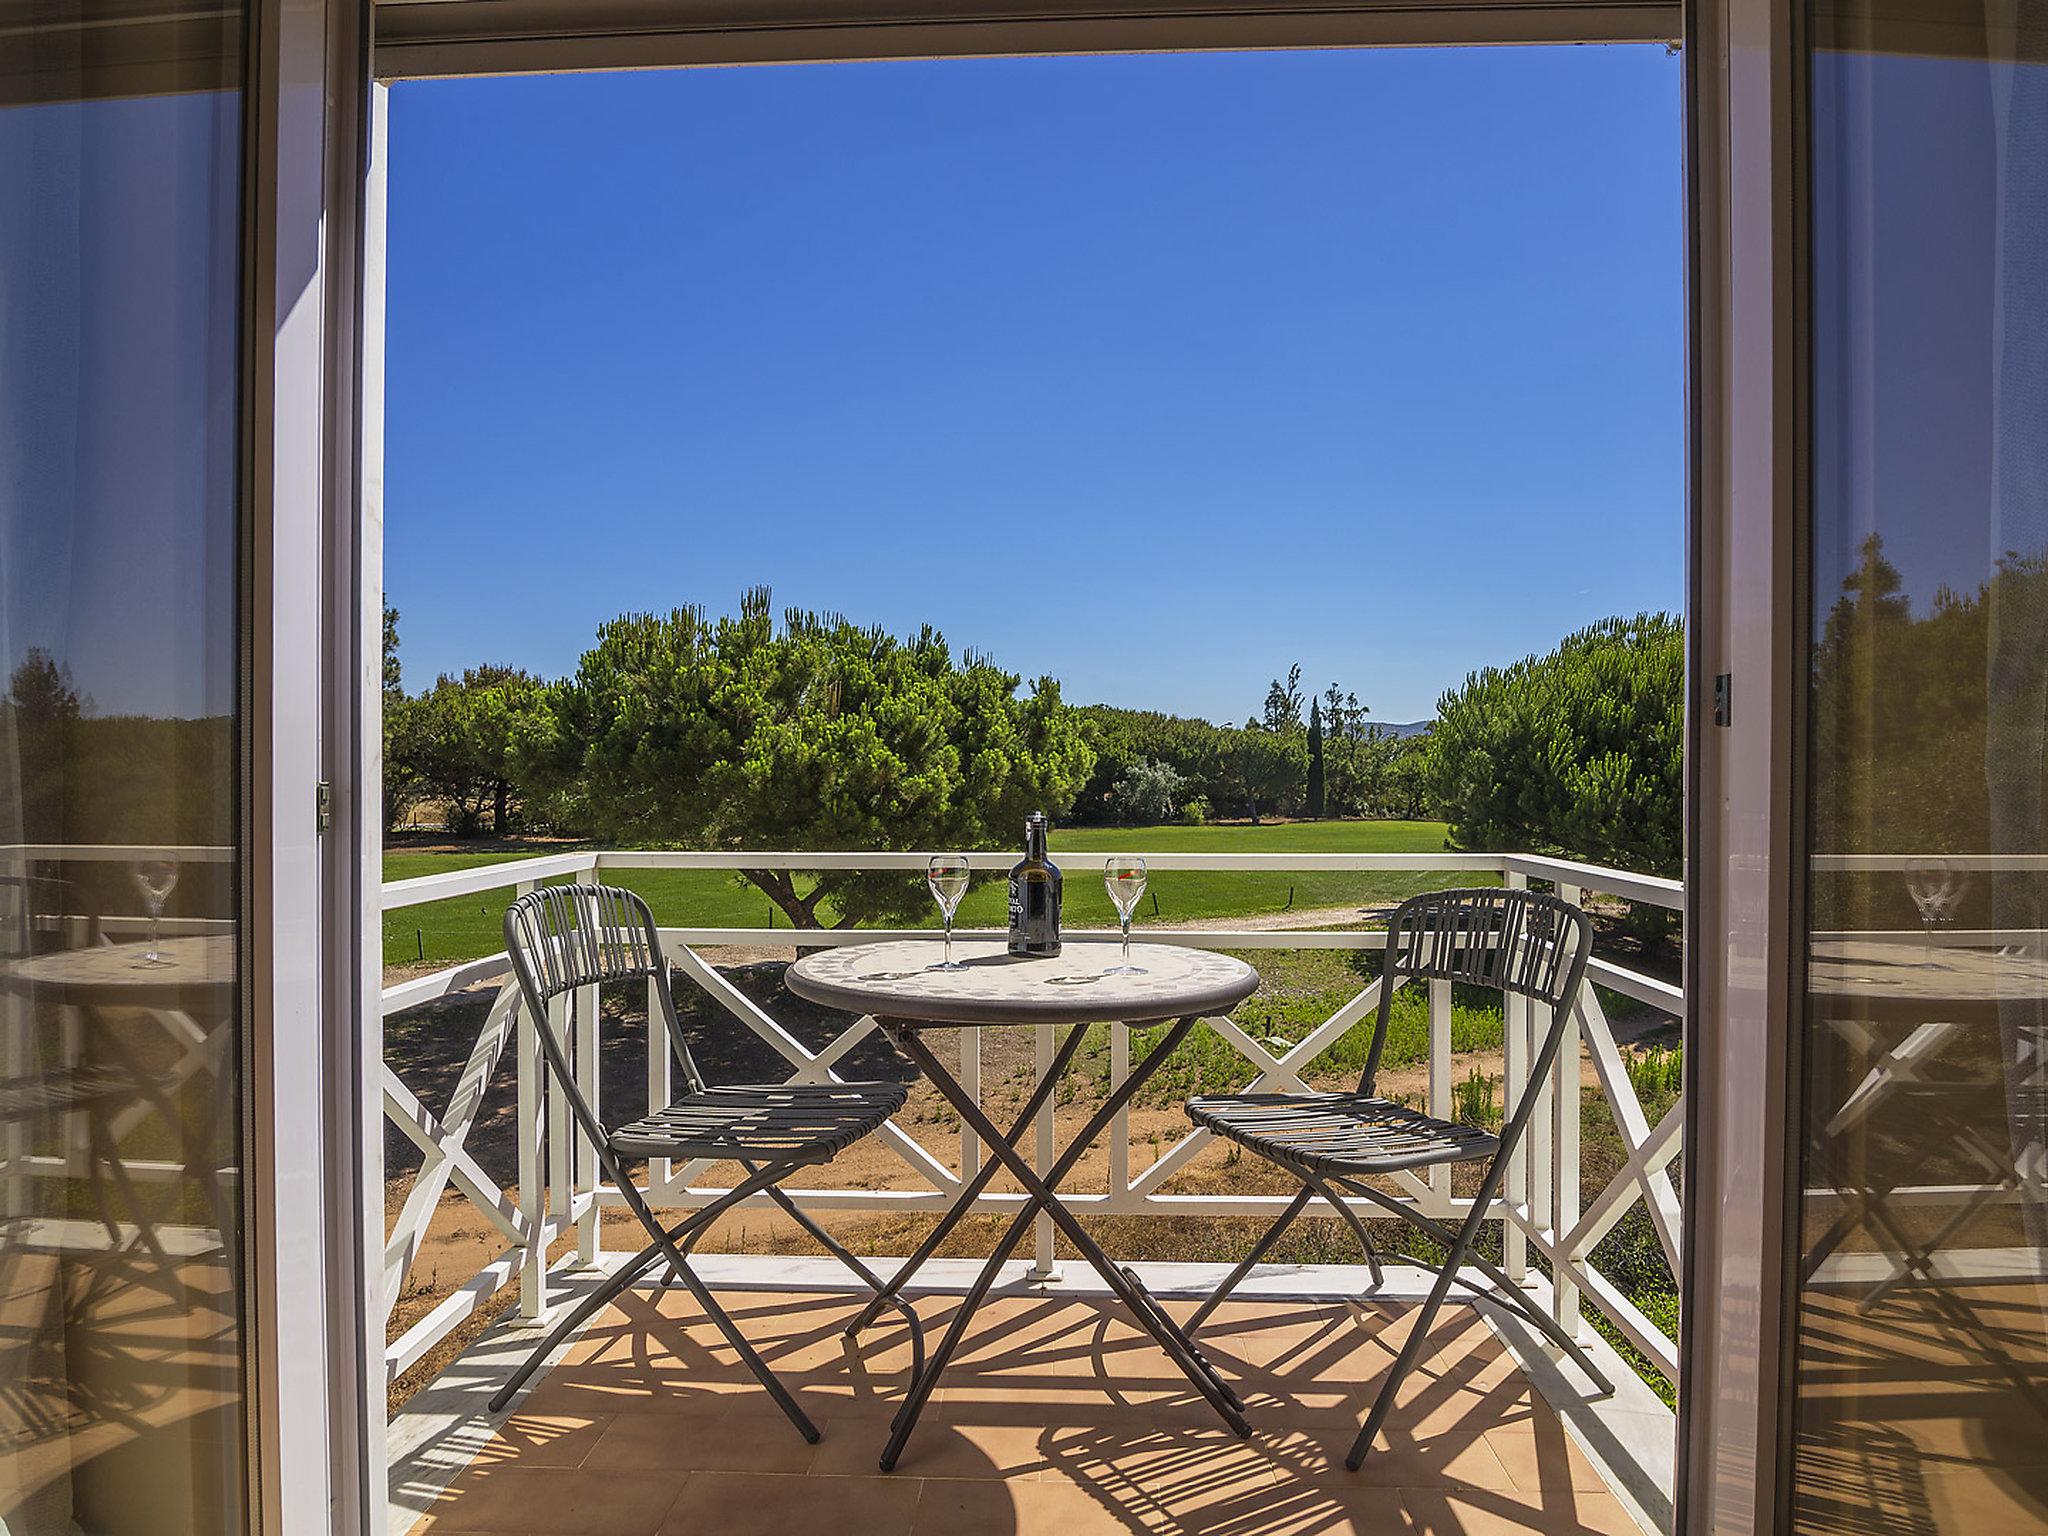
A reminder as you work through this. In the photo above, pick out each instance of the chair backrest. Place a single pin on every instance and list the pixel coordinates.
(1515, 941)
(564, 937)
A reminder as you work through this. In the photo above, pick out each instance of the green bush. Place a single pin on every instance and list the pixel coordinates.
(1576, 753)
(1474, 1101)
(1656, 1073)
(810, 733)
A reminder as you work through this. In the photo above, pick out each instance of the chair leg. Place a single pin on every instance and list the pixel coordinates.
(1411, 1350)
(1343, 1208)
(1232, 1280)
(763, 1373)
(1504, 1291)
(619, 1279)
(666, 1246)
(868, 1277)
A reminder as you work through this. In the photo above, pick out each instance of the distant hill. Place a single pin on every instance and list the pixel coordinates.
(1390, 728)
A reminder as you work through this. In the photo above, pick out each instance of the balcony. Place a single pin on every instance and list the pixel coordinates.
(1060, 1415)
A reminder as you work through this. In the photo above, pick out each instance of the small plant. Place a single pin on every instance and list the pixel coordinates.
(1656, 1072)
(1474, 1101)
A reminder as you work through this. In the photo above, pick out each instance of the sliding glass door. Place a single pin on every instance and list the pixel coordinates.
(1921, 1374)
(122, 1296)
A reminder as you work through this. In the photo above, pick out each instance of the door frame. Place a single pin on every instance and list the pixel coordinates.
(1745, 588)
(1745, 793)
(312, 1408)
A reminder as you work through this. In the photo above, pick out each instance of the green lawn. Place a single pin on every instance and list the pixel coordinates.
(448, 931)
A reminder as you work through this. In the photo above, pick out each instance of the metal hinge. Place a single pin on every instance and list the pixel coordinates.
(323, 805)
(1723, 710)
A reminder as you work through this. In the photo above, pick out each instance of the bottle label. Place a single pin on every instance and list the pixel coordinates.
(1035, 912)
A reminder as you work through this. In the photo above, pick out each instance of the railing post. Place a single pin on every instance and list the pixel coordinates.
(970, 1080)
(1044, 1268)
(1120, 1127)
(1440, 1087)
(583, 1181)
(1514, 1083)
(1565, 1183)
(532, 1076)
(660, 1063)
(561, 1125)
(1541, 1137)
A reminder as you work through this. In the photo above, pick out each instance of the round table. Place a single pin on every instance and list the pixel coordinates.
(903, 982)
(195, 966)
(1902, 1003)
(1911, 982)
(905, 988)
(190, 994)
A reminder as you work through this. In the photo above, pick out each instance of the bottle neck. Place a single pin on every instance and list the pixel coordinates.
(1034, 841)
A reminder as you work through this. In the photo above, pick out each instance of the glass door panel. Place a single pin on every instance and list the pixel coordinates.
(1922, 1322)
(121, 1339)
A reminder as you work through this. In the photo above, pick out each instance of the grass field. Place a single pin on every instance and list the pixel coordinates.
(461, 929)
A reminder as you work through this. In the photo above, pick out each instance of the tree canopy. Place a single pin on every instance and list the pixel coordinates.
(1577, 752)
(455, 742)
(813, 734)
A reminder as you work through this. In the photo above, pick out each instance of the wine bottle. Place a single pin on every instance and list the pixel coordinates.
(1035, 895)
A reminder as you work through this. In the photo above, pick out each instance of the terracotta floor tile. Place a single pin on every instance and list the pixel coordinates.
(764, 1504)
(1268, 1406)
(1397, 1460)
(939, 1448)
(1299, 1509)
(594, 1391)
(1462, 1512)
(1167, 1470)
(556, 1501)
(955, 1508)
(1541, 1457)
(1060, 1416)
(665, 1442)
(543, 1439)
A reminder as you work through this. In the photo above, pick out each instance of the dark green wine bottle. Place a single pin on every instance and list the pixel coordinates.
(1035, 895)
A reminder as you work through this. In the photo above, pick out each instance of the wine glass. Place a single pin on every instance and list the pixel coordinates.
(947, 876)
(1935, 886)
(156, 879)
(1124, 879)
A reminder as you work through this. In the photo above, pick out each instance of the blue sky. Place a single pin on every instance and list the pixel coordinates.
(1155, 374)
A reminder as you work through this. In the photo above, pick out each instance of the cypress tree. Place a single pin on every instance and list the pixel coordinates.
(1317, 792)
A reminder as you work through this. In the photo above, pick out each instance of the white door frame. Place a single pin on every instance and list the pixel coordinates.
(1746, 598)
(1747, 606)
(311, 1405)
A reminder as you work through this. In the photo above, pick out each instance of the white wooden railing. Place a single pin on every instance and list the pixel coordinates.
(1540, 1206)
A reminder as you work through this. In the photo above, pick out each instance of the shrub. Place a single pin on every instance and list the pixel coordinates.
(1577, 753)
(814, 733)
(1147, 793)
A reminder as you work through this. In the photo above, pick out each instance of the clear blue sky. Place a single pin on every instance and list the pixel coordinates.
(1154, 373)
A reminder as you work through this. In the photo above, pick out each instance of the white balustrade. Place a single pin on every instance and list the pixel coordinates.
(1540, 1205)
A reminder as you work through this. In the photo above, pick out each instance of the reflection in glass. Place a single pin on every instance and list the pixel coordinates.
(156, 879)
(1922, 1365)
(121, 1366)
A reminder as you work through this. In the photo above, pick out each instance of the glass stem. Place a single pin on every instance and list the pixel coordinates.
(949, 941)
(156, 936)
(1127, 941)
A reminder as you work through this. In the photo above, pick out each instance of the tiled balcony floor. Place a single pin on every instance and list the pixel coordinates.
(1059, 1419)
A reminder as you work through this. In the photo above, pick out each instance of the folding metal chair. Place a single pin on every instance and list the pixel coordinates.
(1516, 941)
(562, 938)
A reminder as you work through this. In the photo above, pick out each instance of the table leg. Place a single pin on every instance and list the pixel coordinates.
(1041, 1191)
(1041, 1094)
